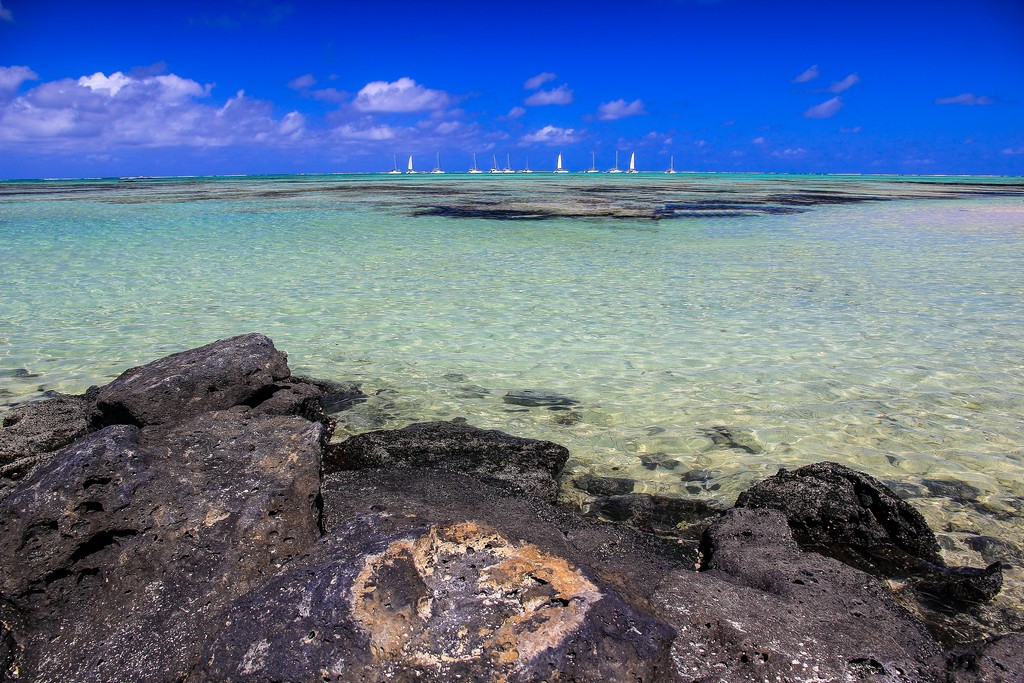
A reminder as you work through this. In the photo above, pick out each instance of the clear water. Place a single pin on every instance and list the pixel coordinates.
(883, 334)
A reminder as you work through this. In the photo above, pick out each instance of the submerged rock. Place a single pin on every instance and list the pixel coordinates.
(604, 486)
(537, 398)
(732, 437)
(680, 517)
(226, 373)
(530, 465)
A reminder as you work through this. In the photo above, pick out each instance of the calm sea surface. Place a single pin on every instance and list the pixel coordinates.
(727, 324)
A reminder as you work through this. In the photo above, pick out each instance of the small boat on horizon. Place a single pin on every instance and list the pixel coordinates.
(410, 169)
(474, 169)
(527, 169)
(508, 164)
(632, 163)
(494, 167)
(615, 169)
(593, 164)
(394, 167)
(558, 166)
(671, 165)
(437, 169)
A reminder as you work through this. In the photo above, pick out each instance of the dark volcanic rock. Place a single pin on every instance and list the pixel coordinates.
(405, 599)
(492, 456)
(657, 514)
(848, 515)
(32, 429)
(226, 373)
(604, 486)
(998, 660)
(537, 398)
(731, 437)
(764, 610)
(127, 546)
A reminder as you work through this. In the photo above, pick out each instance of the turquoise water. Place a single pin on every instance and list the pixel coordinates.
(884, 334)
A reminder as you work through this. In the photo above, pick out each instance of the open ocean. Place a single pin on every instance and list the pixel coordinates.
(712, 327)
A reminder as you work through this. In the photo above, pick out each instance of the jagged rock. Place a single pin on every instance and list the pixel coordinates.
(31, 429)
(434, 576)
(230, 372)
(994, 549)
(604, 486)
(764, 610)
(683, 517)
(537, 398)
(848, 515)
(492, 456)
(997, 660)
(127, 546)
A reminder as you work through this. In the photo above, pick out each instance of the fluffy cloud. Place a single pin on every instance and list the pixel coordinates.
(403, 95)
(103, 111)
(845, 84)
(302, 82)
(560, 95)
(968, 99)
(809, 75)
(11, 78)
(618, 109)
(539, 80)
(826, 109)
(374, 133)
(552, 135)
(515, 113)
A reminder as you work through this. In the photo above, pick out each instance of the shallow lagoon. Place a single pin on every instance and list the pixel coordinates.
(872, 321)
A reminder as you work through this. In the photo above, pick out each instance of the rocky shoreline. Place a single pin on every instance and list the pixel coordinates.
(193, 521)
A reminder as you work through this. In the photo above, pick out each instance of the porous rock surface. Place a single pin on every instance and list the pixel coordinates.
(177, 525)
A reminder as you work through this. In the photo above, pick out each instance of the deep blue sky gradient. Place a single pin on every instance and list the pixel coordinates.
(938, 87)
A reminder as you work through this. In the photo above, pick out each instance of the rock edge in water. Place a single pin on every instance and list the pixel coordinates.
(190, 521)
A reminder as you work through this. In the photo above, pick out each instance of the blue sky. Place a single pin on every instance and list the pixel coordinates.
(261, 86)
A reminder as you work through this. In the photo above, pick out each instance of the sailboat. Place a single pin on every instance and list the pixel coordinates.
(474, 169)
(527, 169)
(632, 163)
(508, 164)
(394, 169)
(437, 169)
(494, 168)
(410, 169)
(671, 165)
(558, 167)
(593, 164)
(616, 168)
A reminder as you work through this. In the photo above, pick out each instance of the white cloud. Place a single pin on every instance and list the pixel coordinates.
(329, 95)
(968, 99)
(826, 109)
(618, 109)
(302, 82)
(403, 95)
(515, 113)
(11, 78)
(855, 129)
(790, 153)
(1014, 150)
(5, 14)
(351, 132)
(539, 80)
(552, 135)
(845, 84)
(447, 127)
(102, 112)
(808, 75)
(560, 95)
(701, 143)
(758, 141)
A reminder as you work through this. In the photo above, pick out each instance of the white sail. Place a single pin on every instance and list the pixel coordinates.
(410, 165)
(671, 165)
(632, 163)
(558, 166)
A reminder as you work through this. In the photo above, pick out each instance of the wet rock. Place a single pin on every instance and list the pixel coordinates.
(732, 437)
(762, 610)
(997, 660)
(678, 517)
(960, 584)
(339, 396)
(127, 546)
(537, 398)
(31, 429)
(604, 486)
(529, 465)
(954, 490)
(846, 514)
(226, 373)
(994, 549)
